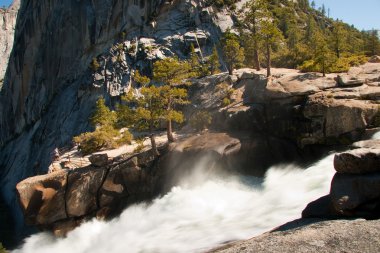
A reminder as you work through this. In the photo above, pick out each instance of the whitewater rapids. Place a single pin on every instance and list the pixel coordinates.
(196, 217)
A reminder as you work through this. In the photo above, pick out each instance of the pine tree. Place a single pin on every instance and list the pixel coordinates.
(171, 72)
(102, 115)
(233, 52)
(271, 35)
(214, 61)
(339, 37)
(256, 12)
(323, 56)
(149, 113)
(323, 10)
(313, 4)
(194, 62)
(140, 79)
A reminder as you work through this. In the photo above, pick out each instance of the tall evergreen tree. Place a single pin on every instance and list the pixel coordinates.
(214, 61)
(171, 72)
(271, 36)
(233, 52)
(256, 12)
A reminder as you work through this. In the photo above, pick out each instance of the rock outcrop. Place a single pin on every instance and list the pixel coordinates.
(61, 200)
(8, 19)
(304, 108)
(51, 87)
(355, 188)
(356, 236)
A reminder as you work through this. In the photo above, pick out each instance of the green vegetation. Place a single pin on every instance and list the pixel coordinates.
(233, 52)
(94, 65)
(146, 112)
(226, 93)
(293, 34)
(213, 61)
(171, 72)
(2, 249)
(106, 135)
(200, 120)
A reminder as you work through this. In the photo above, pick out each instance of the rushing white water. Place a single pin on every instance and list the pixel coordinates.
(376, 136)
(196, 217)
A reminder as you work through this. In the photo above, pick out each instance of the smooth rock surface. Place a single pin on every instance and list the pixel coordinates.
(99, 160)
(82, 191)
(42, 198)
(308, 235)
(356, 195)
(358, 161)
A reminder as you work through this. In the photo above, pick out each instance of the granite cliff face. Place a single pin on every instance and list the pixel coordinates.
(8, 19)
(50, 90)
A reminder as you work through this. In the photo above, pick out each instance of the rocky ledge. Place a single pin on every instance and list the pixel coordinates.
(354, 194)
(62, 200)
(355, 188)
(355, 236)
(302, 107)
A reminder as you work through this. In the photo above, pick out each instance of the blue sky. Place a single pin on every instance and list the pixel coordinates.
(5, 2)
(363, 14)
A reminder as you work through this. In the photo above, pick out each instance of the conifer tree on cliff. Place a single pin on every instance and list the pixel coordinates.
(256, 11)
(172, 72)
(271, 35)
(233, 52)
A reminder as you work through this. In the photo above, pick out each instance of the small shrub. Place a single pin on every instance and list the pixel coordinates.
(2, 249)
(226, 92)
(201, 120)
(126, 138)
(94, 64)
(226, 102)
(140, 145)
(102, 138)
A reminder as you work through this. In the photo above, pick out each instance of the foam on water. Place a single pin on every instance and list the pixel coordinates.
(194, 218)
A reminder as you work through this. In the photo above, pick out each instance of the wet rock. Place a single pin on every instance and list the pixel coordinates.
(358, 161)
(320, 208)
(42, 198)
(368, 144)
(61, 228)
(82, 190)
(99, 160)
(312, 235)
(356, 195)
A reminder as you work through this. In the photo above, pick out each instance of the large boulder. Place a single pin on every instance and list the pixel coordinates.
(349, 81)
(321, 207)
(42, 198)
(356, 195)
(125, 183)
(332, 118)
(358, 161)
(82, 190)
(99, 160)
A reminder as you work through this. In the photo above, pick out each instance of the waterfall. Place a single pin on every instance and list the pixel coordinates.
(199, 214)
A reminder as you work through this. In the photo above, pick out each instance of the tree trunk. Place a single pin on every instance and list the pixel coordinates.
(230, 69)
(169, 131)
(169, 128)
(323, 67)
(256, 57)
(153, 140)
(154, 145)
(268, 60)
